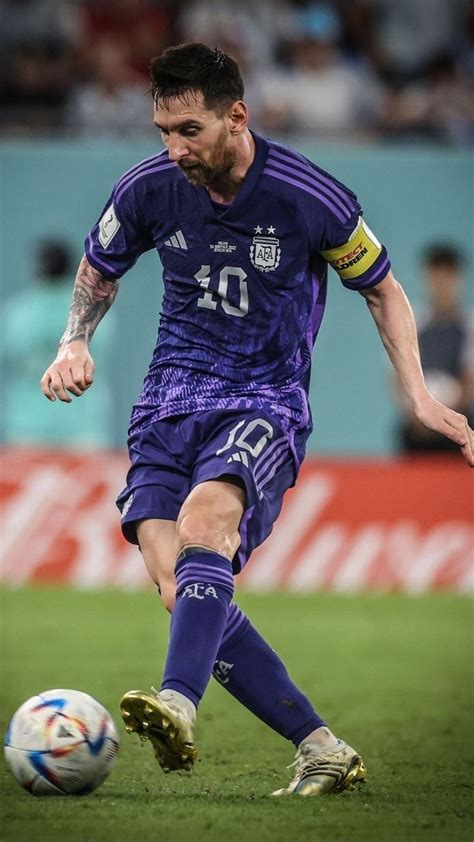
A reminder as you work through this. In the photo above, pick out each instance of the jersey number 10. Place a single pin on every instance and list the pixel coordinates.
(227, 275)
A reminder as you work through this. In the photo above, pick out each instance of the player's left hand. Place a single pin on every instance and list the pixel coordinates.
(435, 416)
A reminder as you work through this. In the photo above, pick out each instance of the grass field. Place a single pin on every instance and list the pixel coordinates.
(390, 674)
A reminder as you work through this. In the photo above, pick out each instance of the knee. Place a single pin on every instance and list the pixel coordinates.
(195, 526)
(201, 526)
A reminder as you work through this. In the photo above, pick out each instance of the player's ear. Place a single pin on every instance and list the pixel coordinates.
(238, 117)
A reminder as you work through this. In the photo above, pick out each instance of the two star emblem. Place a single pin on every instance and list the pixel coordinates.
(259, 230)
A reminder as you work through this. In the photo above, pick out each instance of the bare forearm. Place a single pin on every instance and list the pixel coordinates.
(394, 318)
(396, 325)
(92, 296)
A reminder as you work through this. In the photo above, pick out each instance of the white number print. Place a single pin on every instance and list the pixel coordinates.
(208, 300)
(241, 442)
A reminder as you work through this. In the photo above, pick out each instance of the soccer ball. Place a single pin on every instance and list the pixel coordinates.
(61, 742)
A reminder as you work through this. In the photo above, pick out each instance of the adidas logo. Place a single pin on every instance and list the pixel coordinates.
(177, 241)
(241, 456)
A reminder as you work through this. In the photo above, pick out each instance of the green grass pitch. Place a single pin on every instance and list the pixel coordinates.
(390, 674)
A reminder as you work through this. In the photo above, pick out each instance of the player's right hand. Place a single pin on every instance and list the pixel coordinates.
(72, 371)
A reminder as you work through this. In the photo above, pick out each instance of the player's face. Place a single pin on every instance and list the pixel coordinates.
(198, 140)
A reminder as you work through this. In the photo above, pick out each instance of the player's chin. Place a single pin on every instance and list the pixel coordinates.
(195, 175)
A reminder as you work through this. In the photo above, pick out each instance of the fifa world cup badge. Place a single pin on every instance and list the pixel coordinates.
(265, 251)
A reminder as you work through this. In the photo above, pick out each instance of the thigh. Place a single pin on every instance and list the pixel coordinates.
(158, 545)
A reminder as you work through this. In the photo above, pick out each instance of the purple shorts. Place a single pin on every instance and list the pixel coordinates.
(173, 455)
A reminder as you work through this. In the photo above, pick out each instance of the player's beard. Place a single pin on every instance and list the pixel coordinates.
(216, 173)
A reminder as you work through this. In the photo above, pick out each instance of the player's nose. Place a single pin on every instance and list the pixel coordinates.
(177, 149)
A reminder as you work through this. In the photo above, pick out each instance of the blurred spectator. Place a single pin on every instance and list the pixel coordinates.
(34, 89)
(438, 107)
(36, 38)
(410, 33)
(113, 101)
(146, 27)
(321, 94)
(50, 25)
(33, 319)
(359, 37)
(256, 27)
(446, 338)
(464, 50)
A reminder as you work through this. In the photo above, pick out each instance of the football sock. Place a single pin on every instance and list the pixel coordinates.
(252, 672)
(204, 588)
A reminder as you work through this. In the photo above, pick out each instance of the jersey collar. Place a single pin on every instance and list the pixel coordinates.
(233, 211)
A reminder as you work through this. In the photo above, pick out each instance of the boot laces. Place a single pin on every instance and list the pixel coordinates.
(310, 759)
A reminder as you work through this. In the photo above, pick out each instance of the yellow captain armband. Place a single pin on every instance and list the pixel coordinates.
(352, 259)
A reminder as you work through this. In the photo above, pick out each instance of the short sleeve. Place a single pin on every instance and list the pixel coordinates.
(352, 249)
(119, 237)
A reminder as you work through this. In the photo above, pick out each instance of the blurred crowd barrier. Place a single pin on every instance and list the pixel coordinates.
(378, 525)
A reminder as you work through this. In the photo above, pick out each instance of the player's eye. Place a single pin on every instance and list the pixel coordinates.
(192, 132)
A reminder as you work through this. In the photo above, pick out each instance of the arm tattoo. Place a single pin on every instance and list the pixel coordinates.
(92, 296)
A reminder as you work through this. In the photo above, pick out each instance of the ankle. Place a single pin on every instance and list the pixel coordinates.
(321, 738)
(179, 700)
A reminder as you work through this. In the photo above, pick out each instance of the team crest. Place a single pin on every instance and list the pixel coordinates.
(265, 251)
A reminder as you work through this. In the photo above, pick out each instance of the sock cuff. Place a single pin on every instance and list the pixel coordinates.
(191, 549)
(206, 568)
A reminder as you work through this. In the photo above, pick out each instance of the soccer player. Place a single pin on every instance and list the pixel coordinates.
(245, 229)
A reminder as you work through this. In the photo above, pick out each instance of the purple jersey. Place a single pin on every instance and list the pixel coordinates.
(245, 284)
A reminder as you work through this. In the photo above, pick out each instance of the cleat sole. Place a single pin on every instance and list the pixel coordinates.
(148, 716)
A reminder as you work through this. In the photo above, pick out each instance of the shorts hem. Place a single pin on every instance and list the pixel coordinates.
(129, 525)
(246, 482)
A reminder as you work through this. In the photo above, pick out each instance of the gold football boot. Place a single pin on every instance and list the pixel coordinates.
(323, 771)
(167, 726)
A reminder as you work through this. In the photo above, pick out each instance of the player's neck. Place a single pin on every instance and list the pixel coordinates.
(225, 188)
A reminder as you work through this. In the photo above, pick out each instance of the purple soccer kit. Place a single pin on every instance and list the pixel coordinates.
(245, 289)
(226, 392)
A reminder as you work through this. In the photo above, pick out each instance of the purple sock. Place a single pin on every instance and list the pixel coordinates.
(204, 588)
(252, 672)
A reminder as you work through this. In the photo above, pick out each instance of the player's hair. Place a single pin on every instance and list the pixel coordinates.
(443, 254)
(193, 68)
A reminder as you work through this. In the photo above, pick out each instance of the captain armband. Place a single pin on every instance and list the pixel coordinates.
(352, 259)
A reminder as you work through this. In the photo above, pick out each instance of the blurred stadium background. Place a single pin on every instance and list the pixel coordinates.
(386, 106)
(380, 93)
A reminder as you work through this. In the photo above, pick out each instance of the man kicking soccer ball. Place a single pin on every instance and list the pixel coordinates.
(245, 229)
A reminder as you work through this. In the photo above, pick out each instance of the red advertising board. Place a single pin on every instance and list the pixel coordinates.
(347, 526)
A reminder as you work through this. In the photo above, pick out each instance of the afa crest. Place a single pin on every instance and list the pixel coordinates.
(265, 251)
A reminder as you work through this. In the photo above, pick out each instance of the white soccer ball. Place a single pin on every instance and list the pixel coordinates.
(61, 742)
